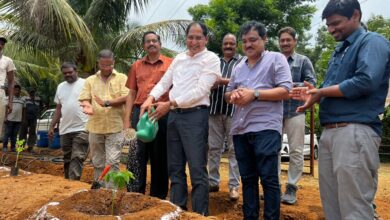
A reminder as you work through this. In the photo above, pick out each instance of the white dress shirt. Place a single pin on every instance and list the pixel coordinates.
(191, 79)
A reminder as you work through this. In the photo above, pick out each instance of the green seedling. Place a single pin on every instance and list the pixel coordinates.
(19, 148)
(120, 179)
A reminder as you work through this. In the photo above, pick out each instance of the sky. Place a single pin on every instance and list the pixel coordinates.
(159, 10)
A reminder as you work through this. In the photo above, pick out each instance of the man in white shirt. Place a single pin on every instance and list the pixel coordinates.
(7, 70)
(189, 78)
(13, 120)
(73, 135)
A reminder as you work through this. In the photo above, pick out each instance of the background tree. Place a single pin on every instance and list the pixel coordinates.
(224, 16)
(44, 33)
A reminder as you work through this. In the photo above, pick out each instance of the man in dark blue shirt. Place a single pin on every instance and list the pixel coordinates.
(351, 99)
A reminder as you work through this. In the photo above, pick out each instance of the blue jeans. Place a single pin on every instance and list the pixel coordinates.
(257, 156)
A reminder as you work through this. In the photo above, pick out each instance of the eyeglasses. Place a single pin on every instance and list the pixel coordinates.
(151, 41)
(196, 38)
(106, 66)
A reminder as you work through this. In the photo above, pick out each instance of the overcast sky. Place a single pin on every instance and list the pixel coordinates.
(159, 10)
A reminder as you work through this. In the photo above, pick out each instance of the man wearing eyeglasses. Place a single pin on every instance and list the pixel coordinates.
(188, 80)
(350, 99)
(257, 87)
(143, 75)
(102, 98)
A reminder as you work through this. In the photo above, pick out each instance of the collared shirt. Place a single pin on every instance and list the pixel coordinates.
(301, 70)
(6, 65)
(73, 118)
(360, 66)
(32, 107)
(105, 120)
(17, 110)
(218, 104)
(144, 75)
(191, 79)
(270, 71)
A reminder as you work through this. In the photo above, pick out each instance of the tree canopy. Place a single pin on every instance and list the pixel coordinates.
(44, 33)
(226, 16)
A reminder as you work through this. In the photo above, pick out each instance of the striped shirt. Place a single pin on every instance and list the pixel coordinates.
(218, 105)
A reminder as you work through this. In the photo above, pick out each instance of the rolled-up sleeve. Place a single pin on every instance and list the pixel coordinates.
(371, 67)
(282, 73)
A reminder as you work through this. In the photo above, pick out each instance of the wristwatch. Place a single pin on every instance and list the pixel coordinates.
(106, 103)
(256, 94)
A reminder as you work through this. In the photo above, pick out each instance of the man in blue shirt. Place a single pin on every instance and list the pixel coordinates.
(257, 87)
(351, 99)
(294, 122)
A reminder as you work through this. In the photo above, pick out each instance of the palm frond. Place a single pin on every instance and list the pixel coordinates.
(110, 15)
(132, 40)
(51, 23)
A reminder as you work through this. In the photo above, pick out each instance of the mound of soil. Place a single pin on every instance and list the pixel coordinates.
(24, 195)
(97, 204)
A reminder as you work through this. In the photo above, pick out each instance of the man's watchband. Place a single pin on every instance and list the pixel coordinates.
(106, 103)
(256, 94)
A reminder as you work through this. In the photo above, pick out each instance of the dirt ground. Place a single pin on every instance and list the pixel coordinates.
(23, 196)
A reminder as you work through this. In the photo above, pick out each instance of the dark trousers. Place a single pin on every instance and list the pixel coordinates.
(187, 142)
(156, 152)
(75, 150)
(29, 127)
(257, 156)
(11, 131)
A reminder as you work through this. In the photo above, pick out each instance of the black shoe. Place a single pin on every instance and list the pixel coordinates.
(213, 188)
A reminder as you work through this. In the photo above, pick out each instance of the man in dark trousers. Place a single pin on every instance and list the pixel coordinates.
(32, 107)
(143, 75)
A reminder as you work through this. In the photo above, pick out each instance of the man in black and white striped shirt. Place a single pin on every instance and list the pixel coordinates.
(220, 120)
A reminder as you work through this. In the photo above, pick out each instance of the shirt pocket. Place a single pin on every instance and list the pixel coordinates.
(115, 90)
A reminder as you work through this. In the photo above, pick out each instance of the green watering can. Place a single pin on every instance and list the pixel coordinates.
(146, 129)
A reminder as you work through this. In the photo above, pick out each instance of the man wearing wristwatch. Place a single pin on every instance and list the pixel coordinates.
(143, 75)
(102, 98)
(257, 87)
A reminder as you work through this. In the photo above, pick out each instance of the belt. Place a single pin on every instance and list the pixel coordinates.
(186, 110)
(336, 125)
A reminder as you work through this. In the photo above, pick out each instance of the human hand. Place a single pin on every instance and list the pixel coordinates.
(9, 108)
(87, 108)
(162, 108)
(99, 101)
(309, 94)
(51, 133)
(146, 106)
(243, 96)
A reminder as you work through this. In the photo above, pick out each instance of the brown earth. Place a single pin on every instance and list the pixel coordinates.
(24, 195)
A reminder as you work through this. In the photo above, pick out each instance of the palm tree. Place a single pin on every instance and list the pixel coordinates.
(44, 33)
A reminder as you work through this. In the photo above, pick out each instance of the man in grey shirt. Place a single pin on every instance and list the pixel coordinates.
(257, 87)
(294, 122)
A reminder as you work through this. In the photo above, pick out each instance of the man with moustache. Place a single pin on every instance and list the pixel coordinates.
(188, 80)
(72, 122)
(351, 99)
(13, 120)
(102, 98)
(257, 87)
(294, 122)
(143, 75)
(7, 71)
(220, 121)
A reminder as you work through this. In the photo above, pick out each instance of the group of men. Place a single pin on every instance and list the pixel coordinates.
(203, 102)
(18, 114)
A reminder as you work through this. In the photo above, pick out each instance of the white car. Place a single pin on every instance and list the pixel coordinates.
(285, 151)
(43, 122)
